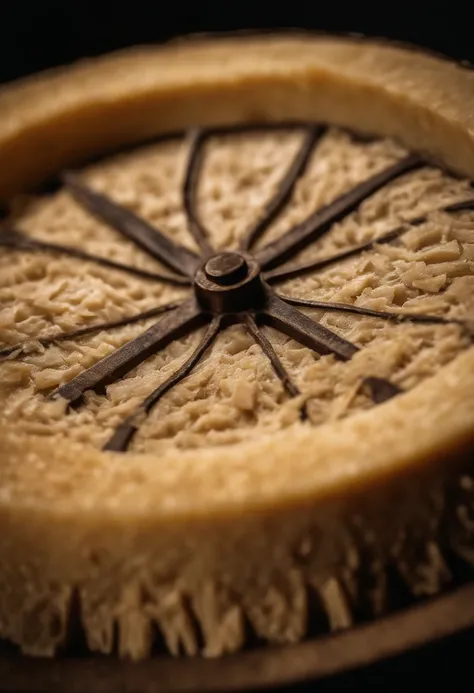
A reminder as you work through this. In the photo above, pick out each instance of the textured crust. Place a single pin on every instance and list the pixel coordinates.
(235, 532)
(98, 104)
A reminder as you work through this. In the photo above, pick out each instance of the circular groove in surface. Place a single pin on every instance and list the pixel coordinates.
(361, 646)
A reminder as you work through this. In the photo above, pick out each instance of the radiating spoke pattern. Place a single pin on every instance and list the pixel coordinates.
(15, 240)
(193, 169)
(124, 433)
(283, 193)
(25, 347)
(135, 229)
(185, 266)
(174, 325)
(321, 221)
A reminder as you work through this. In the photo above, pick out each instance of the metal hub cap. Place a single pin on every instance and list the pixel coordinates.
(226, 268)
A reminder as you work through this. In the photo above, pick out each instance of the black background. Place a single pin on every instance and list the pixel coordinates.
(41, 34)
(36, 34)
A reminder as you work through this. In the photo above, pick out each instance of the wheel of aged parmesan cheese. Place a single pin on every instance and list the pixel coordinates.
(236, 364)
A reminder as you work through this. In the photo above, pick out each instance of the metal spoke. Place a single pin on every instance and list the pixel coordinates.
(290, 271)
(124, 433)
(90, 329)
(271, 354)
(132, 227)
(295, 270)
(321, 221)
(191, 179)
(176, 324)
(462, 206)
(319, 339)
(230, 284)
(285, 188)
(15, 240)
(359, 310)
(303, 329)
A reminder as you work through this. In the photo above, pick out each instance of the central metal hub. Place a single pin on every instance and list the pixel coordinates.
(229, 283)
(226, 268)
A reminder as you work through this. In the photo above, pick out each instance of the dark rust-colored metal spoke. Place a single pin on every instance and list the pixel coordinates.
(295, 270)
(321, 221)
(16, 240)
(197, 138)
(175, 324)
(132, 227)
(275, 205)
(267, 348)
(359, 310)
(290, 271)
(124, 433)
(90, 329)
(303, 329)
(462, 206)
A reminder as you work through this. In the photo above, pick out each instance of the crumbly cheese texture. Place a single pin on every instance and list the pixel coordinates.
(229, 517)
(233, 395)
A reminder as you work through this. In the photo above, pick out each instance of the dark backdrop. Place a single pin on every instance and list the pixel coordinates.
(41, 33)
